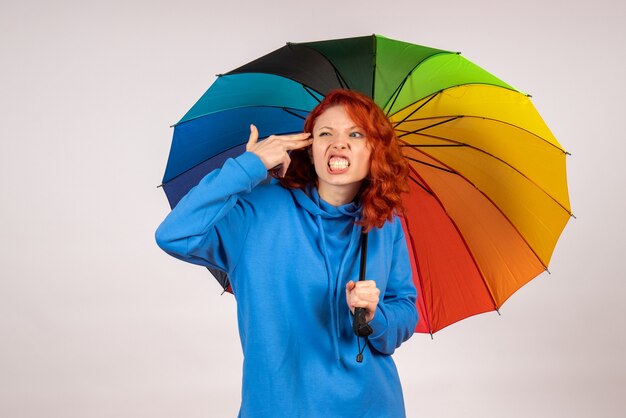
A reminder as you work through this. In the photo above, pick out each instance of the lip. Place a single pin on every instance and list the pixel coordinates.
(343, 170)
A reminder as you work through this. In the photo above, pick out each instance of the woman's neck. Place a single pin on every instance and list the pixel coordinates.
(338, 195)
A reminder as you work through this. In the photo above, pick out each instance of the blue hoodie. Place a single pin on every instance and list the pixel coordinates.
(289, 255)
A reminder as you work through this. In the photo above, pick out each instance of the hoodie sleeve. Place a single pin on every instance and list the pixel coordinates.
(396, 315)
(209, 225)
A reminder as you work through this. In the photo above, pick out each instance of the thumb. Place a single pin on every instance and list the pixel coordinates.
(350, 285)
(254, 136)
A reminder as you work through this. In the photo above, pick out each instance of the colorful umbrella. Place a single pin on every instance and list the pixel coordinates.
(488, 196)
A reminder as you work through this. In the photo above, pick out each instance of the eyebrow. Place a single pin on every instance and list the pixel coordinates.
(328, 127)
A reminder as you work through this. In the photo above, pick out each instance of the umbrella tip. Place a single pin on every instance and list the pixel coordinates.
(160, 185)
(431, 336)
(498, 311)
(530, 96)
(458, 52)
(573, 216)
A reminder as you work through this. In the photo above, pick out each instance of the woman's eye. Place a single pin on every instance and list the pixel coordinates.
(323, 134)
(356, 135)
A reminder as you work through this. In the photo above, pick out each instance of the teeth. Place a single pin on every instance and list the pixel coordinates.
(337, 163)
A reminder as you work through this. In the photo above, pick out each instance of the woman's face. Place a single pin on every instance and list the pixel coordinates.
(341, 155)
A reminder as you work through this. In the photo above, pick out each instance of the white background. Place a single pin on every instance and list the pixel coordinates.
(95, 321)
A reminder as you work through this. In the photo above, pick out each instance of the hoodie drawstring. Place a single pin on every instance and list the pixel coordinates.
(334, 293)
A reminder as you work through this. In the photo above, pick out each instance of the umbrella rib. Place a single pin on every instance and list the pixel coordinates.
(430, 165)
(467, 248)
(420, 185)
(417, 266)
(340, 78)
(342, 82)
(396, 93)
(308, 90)
(196, 165)
(458, 144)
(455, 86)
(235, 108)
(486, 197)
(418, 108)
(206, 159)
(490, 119)
(453, 118)
(374, 51)
(293, 113)
(433, 145)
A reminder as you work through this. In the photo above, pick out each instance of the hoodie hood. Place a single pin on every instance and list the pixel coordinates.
(310, 200)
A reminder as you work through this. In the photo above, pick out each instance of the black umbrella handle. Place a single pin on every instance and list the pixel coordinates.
(359, 324)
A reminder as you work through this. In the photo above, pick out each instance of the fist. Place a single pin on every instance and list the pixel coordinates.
(363, 294)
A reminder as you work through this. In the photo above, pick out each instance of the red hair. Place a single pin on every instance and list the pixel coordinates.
(381, 191)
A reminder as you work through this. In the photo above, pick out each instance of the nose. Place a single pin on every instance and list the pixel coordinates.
(339, 145)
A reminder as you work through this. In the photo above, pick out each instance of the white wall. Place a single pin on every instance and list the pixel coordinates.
(96, 321)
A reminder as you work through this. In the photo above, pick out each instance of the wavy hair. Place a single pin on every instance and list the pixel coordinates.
(381, 192)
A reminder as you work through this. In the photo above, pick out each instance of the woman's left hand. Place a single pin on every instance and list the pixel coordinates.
(363, 294)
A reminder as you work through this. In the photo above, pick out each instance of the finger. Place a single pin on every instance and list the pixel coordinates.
(254, 136)
(360, 304)
(291, 137)
(365, 290)
(297, 143)
(373, 299)
(372, 296)
(350, 285)
(285, 165)
(365, 284)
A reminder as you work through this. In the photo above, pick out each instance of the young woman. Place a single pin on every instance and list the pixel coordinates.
(291, 249)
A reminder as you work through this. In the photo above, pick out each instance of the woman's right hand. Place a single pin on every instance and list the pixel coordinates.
(274, 150)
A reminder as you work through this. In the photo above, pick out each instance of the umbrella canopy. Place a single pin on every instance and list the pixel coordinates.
(488, 196)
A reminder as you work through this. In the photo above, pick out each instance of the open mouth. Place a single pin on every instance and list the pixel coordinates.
(338, 164)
